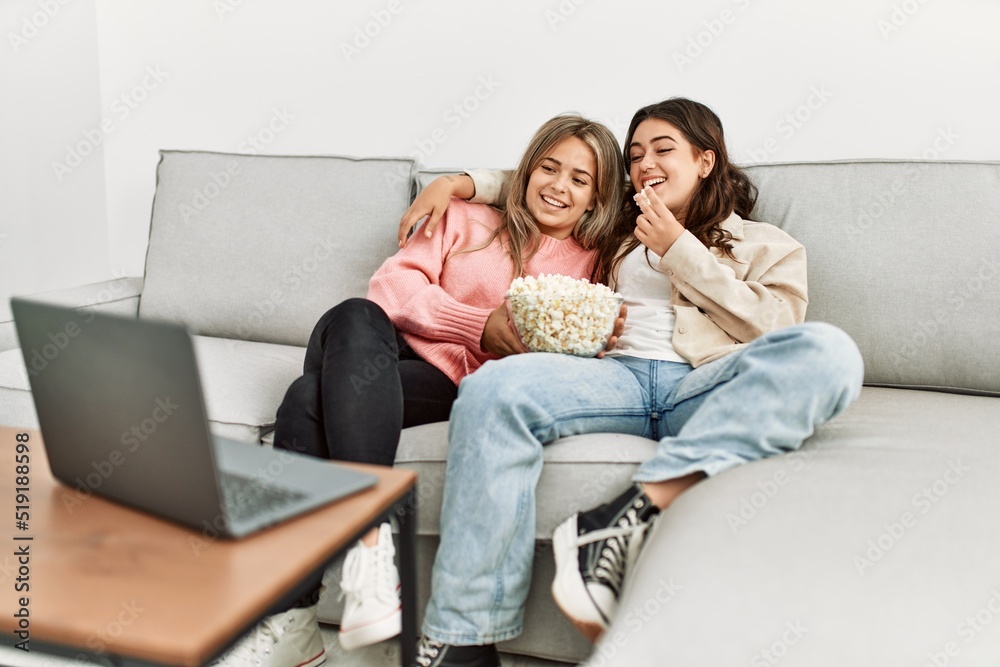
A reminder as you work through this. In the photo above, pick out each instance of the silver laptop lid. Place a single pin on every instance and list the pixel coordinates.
(104, 387)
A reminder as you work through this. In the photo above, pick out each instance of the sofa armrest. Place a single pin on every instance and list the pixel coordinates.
(118, 296)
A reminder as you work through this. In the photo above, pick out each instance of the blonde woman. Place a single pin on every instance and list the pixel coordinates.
(434, 314)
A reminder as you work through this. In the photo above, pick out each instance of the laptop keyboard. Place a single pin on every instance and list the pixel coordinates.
(246, 497)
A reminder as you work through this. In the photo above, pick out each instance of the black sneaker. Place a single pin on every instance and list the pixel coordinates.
(436, 654)
(593, 551)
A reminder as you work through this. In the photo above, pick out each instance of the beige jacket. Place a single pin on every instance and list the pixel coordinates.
(720, 303)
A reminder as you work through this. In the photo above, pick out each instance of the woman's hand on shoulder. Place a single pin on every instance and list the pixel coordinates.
(656, 227)
(498, 336)
(433, 201)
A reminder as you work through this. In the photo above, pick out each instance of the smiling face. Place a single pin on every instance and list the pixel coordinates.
(562, 187)
(660, 156)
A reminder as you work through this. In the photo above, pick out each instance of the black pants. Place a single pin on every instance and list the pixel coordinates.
(361, 385)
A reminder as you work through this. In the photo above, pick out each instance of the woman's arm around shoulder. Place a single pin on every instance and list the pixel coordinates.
(408, 285)
(482, 186)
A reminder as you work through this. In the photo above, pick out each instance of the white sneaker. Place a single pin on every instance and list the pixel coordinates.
(288, 639)
(370, 586)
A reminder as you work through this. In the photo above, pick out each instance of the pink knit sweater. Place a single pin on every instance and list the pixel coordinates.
(439, 299)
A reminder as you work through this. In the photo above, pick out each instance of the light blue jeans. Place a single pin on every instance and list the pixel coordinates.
(759, 401)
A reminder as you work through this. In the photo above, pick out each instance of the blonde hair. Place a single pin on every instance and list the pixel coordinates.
(520, 230)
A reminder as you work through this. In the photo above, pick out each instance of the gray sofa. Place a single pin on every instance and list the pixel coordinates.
(871, 546)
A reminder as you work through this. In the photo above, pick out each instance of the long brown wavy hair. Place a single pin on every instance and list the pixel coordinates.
(518, 229)
(727, 189)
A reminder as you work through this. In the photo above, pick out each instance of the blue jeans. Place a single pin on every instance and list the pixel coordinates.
(762, 400)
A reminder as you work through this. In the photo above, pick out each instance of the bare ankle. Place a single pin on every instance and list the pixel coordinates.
(662, 494)
(370, 538)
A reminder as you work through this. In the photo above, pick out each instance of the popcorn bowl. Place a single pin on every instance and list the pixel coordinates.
(578, 325)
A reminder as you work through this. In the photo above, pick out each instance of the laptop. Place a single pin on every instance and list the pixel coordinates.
(122, 415)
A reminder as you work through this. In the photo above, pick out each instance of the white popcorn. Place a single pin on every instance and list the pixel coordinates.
(554, 313)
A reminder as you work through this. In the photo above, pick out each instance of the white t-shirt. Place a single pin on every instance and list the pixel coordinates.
(649, 327)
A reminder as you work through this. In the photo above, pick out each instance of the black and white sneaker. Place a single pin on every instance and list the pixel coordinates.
(436, 654)
(593, 552)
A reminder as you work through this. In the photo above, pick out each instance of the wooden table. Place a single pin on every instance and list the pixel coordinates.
(106, 580)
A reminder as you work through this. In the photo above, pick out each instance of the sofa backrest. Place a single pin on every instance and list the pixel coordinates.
(259, 247)
(905, 257)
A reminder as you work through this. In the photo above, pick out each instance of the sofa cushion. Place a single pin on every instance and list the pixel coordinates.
(118, 296)
(425, 176)
(579, 472)
(904, 257)
(259, 247)
(244, 383)
(877, 543)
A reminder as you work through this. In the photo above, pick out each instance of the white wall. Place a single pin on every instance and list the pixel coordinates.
(885, 78)
(53, 222)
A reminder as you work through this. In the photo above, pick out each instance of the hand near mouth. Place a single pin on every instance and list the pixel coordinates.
(656, 227)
